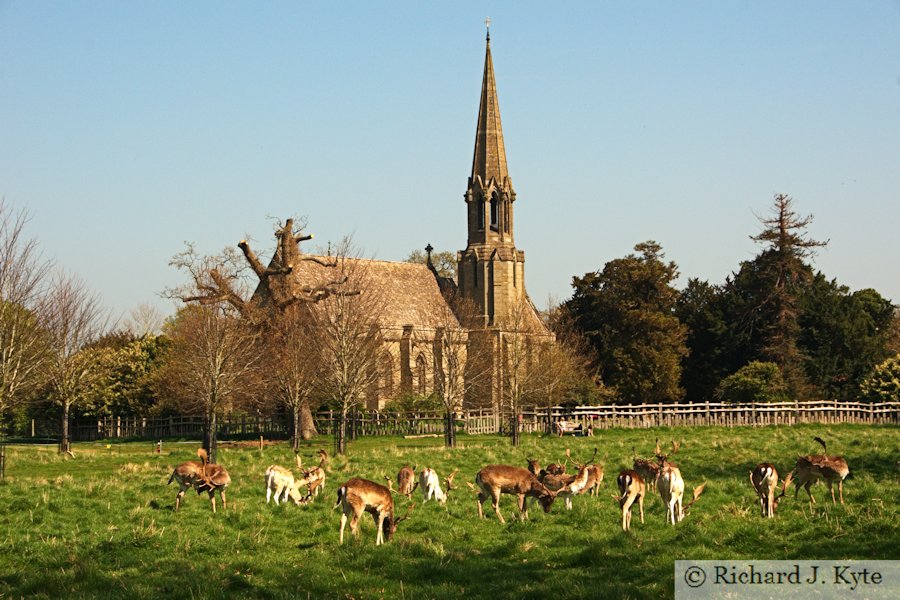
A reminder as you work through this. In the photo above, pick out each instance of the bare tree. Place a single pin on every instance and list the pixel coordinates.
(462, 364)
(23, 275)
(213, 364)
(144, 321)
(73, 318)
(348, 339)
(293, 366)
(521, 343)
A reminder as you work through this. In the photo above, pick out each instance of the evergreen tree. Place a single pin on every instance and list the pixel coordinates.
(626, 312)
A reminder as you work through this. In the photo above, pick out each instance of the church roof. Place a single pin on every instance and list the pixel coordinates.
(407, 292)
(490, 153)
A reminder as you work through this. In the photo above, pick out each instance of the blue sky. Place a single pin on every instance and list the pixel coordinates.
(129, 128)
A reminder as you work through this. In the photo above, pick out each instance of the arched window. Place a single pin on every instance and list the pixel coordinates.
(481, 214)
(495, 211)
(421, 365)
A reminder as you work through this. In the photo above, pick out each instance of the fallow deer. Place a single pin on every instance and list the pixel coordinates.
(358, 495)
(281, 482)
(811, 468)
(646, 468)
(764, 479)
(670, 485)
(406, 480)
(631, 489)
(314, 478)
(214, 478)
(494, 480)
(431, 485)
(187, 474)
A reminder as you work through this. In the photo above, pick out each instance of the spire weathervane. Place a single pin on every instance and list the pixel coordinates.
(487, 24)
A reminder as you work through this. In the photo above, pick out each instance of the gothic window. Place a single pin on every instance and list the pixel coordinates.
(506, 217)
(481, 214)
(420, 375)
(495, 211)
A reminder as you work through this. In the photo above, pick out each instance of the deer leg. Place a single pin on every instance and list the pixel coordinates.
(808, 493)
(523, 507)
(641, 506)
(480, 501)
(841, 489)
(831, 489)
(268, 494)
(626, 513)
(224, 504)
(212, 499)
(495, 502)
(379, 523)
(343, 524)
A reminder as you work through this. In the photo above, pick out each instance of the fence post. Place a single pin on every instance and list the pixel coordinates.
(2, 458)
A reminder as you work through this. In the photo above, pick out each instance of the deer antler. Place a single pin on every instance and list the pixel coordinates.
(786, 484)
(405, 516)
(697, 491)
(204, 457)
(675, 446)
(390, 483)
(449, 479)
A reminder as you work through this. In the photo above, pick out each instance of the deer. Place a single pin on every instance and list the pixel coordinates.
(214, 478)
(578, 483)
(631, 489)
(406, 480)
(670, 485)
(314, 478)
(494, 480)
(552, 469)
(646, 468)
(187, 474)
(281, 481)
(764, 479)
(811, 468)
(358, 495)
(431, 485)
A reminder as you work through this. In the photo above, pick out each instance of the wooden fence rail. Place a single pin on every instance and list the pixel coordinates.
(531, 420)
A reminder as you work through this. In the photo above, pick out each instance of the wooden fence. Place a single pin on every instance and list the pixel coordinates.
(531, 420)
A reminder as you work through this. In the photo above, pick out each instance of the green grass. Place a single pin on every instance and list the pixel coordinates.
(102, 525)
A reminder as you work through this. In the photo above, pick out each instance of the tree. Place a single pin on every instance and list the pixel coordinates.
(462, 363)
(348, 340)
(754, 382)
(883, 383)
(293, 367)
(783, 272)
(843, 335)
(127, 367)
(23, 342)
(444, 262)
(710, 358)
(213, 364)
(626, 314)
(73, 319)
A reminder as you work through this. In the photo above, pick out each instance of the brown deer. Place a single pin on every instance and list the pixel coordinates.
(631, 489)
(647, 468)
(214, 478)
(494, 480)
(406, 480)
(187, 474)
(358, 495)
(811, 468)
(314, 478)
(764, 479)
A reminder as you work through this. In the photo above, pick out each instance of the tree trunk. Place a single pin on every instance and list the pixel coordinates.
(450, 429)
(514, 429)
(64, 436)
(340, 435)
(210, 444)
(295, 435)
(307, 422)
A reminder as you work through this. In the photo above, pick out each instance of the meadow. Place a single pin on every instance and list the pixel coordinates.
(103, 525)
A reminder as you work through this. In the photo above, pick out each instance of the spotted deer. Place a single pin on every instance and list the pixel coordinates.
(494, 480)
(358, 495)
(811, 468)
(631, 489)
(764, 478)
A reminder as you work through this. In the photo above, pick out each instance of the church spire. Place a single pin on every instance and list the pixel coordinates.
(490, 154)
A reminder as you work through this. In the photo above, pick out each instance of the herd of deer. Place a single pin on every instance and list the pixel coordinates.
(543, 485)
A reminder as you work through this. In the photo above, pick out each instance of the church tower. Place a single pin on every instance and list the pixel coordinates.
(491, 271)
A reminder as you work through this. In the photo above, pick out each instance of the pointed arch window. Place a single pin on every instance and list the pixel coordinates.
(495, 211)
(481, 214)
(421, 366)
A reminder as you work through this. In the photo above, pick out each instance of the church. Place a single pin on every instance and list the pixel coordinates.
(419, 318)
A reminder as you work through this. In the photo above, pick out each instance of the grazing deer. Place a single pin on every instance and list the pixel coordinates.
(358, 495)
(495, 480)
(406, 480)
(631, 489)
(764, 478)
(187, 474)
(281, 481)
(431, 485)
(595, 478)
(811, 468)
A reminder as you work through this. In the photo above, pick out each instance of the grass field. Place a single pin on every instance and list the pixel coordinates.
(102, 525)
